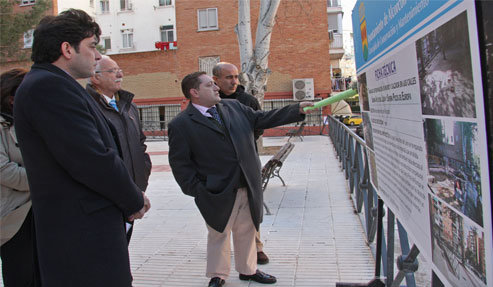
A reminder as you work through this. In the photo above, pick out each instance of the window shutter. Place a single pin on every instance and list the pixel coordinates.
(107, 43)
(212, 20)
(203, 19)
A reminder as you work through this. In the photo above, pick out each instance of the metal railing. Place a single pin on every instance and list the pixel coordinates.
(351, 150)
(337, 43)
(154, 130)
(313, 119)
(155, 118)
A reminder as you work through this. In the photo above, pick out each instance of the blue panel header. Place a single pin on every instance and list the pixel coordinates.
(379, 24)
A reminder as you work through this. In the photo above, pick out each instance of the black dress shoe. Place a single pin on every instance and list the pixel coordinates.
(216, 282)
(259, 277)
(262, 258)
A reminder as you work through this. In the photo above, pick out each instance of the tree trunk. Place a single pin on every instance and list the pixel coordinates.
(254, 61)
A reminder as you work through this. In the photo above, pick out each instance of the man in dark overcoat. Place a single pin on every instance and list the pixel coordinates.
(81, 191)
(226, 77)
(211, 144)
(118, 108)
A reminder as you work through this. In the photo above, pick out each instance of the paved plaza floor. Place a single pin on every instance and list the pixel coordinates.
(313, 237)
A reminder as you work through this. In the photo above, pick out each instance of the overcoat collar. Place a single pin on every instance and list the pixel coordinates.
(197, 117)
(56, 70)
(123, 97)
(84, 94)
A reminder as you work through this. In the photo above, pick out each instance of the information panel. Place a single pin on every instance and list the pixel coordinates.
(420, 88)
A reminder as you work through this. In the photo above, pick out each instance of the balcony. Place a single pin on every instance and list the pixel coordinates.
(163, 46)
(336, 47)
(334, 6)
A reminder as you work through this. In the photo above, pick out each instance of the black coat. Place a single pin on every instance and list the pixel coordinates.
(132, 139)
(80, 189)
(246, 99)
(207, 163)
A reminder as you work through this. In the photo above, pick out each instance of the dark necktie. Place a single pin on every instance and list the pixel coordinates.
(213, 112)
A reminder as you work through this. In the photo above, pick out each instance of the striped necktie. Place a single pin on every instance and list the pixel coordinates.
(213, 112)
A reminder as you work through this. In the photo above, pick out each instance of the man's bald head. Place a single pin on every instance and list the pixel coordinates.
(226, 77)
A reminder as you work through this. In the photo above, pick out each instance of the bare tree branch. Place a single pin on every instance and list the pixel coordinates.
(244, 33)
(254, 61)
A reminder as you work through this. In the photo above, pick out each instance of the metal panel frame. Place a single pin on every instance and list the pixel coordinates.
(351, 150)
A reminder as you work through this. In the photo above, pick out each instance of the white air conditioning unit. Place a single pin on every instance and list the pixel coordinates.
(303, 89)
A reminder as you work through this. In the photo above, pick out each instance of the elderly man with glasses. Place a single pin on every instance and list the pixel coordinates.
(116, 105)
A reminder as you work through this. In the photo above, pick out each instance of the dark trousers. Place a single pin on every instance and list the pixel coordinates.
(18, 256)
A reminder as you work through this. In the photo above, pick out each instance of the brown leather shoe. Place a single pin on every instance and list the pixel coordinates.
(216, 282)
(262, 258)
(259, 277)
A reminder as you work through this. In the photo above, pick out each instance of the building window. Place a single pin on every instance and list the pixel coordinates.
(207, 19)
(105, 6)
(333, 3)
(125, 5)
(127, 38)
(28, 2)
(333, 23)
(28, 38)
(167, 33)
(165, 2)
(91, 3)
(106, 43)
(207, 63)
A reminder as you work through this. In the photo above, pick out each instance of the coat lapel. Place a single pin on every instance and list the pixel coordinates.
(199, 118)
(226, 115)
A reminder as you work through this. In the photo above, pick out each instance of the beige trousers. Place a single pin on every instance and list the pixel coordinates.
(240, 224)
(258, 242)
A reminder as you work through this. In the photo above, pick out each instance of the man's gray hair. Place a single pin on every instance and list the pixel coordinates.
(98, 66)
(216, 70)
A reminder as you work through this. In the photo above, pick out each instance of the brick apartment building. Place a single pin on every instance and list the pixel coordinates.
(299, 49)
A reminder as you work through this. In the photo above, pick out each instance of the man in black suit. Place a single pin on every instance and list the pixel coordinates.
(210, 153)
(81, 191)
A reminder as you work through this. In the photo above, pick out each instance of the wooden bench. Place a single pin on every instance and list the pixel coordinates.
(273, 166)
(298, 132)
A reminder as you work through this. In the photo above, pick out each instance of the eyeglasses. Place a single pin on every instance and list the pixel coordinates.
(114, 70)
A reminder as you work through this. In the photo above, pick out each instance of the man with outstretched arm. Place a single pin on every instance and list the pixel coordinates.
(211, 144)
